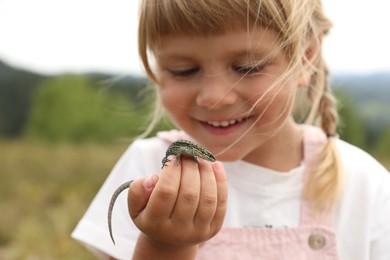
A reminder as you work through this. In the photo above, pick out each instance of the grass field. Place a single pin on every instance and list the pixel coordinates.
(44, 190)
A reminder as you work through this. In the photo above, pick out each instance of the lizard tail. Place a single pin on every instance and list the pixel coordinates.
(121, 188)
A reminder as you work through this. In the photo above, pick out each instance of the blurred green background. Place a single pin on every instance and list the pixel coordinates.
(60, 135)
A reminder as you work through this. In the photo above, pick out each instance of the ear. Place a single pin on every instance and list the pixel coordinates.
(311, 54)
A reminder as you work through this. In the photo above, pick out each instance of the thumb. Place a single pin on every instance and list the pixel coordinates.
(139, 194)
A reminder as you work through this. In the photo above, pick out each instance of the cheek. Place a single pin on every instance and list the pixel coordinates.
(173, 94)
(176, 102)
(275, 104)
(167, 98)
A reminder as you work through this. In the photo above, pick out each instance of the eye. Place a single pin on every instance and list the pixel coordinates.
(249, 69)
(184, 73)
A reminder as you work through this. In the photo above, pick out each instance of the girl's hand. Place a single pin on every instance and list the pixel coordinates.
(183, 207)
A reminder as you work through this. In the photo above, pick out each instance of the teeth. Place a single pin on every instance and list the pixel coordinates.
(224, 123)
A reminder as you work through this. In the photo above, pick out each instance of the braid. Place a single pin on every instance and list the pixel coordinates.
(324, 106)
(327, 109)
(324, 184)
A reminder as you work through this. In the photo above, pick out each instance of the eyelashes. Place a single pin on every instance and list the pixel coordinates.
(250, 69)
(184, 73)
(240, 69)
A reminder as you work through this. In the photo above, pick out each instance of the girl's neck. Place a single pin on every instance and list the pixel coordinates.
(283, 152)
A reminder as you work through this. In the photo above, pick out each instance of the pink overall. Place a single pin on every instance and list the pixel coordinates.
(313, 239)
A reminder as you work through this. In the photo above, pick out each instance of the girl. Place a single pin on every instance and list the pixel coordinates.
(232, 75)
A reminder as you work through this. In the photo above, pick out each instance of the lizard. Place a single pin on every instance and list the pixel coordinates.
(178, 148)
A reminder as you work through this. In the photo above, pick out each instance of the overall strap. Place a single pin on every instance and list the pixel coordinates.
(314, 140)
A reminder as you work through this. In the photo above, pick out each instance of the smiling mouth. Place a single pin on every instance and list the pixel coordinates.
(226, 123)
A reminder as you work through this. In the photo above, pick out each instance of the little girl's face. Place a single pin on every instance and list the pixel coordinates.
(227, 87)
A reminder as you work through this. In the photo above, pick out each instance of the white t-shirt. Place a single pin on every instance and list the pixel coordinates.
(258, 197)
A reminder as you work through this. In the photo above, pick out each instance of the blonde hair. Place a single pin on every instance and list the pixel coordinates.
(300, 25)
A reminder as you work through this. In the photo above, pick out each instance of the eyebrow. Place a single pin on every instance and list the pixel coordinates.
(180, 56)
(252, 49)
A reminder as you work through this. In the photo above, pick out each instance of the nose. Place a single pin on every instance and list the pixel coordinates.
(216, 91)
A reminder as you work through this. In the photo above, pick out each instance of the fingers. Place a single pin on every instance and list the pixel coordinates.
(208, 195)
(189, 192)
(164, 196)
(139, 194)
(222, 196)
(186, 205)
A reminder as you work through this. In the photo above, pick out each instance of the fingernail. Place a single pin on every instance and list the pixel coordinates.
(149, 182)
(218, 166)
(171, 157)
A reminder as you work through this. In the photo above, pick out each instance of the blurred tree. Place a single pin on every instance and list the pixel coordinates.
(351, 127)
(382, 146)
(16, 88)
(72, 108)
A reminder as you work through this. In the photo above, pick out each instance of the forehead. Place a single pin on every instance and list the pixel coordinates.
(239, 41)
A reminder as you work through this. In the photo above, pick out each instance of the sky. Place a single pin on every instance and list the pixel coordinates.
(55, 36)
